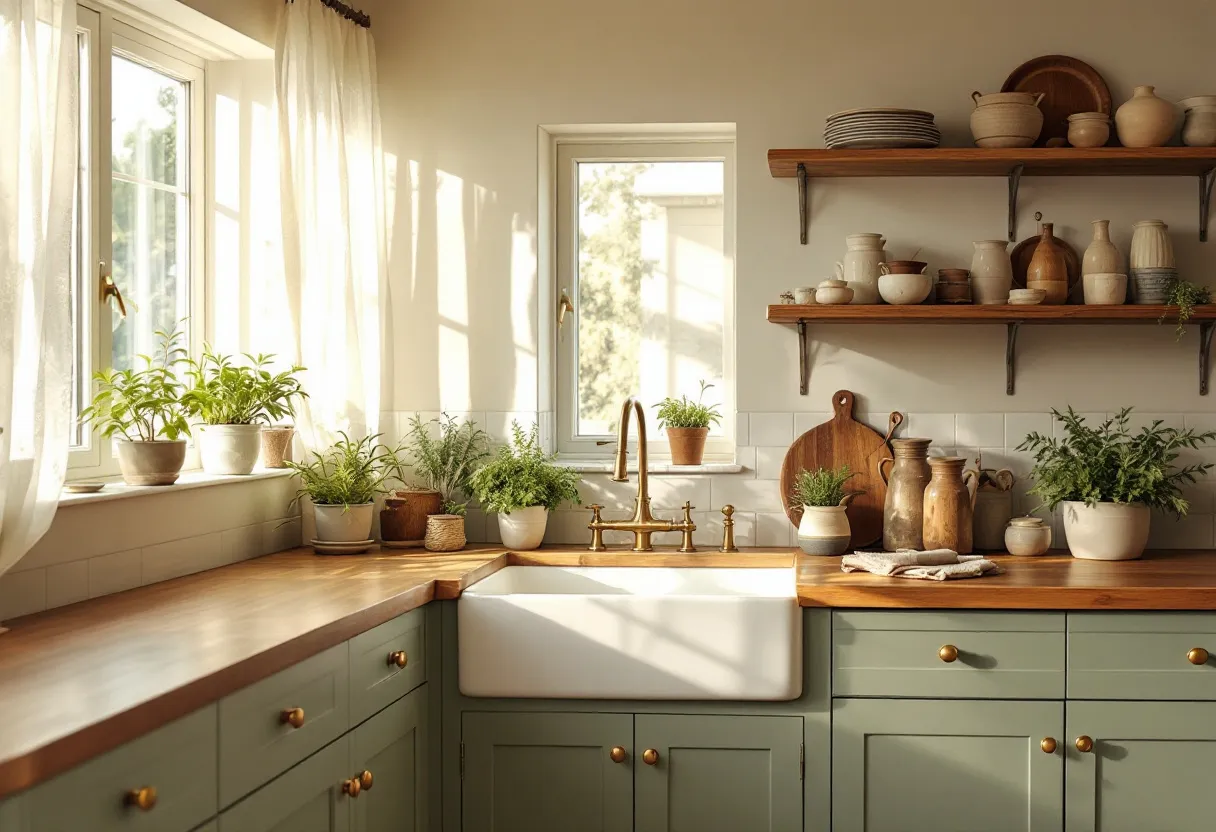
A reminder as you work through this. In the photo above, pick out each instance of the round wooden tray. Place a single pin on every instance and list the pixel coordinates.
(1068, 86)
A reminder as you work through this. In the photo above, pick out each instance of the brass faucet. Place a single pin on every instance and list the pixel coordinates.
(643, 524)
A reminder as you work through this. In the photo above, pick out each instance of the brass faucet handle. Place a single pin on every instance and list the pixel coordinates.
(727, 511)
(688, 507)
(595, 512)
(728, 530)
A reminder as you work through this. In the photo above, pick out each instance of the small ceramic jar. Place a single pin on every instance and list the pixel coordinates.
(1088, 129)
(804, 295)
(833, 293)
(1199, 126)
(1027, 537)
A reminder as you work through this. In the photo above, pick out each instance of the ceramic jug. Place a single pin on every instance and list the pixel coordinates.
(1102, 257)
(949, 505)
(906, 476)
(860, 268)
(1048, 269)
(991, 272)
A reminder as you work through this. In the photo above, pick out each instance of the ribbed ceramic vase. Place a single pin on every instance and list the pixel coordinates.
(1151, 246)
(1102, 257)
(1048, 269)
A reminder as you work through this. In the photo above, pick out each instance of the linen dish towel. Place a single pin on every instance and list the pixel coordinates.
(932, 565)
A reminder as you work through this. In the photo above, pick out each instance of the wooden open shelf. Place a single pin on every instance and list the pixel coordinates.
(1012, 163)
(1012, 317)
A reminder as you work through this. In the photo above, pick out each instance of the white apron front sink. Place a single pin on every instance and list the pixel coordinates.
(631, 633)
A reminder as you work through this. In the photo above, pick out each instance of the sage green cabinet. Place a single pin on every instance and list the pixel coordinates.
(1149, 768)
(306, 798)
(718, 773)
(908, 765)
(546, 771)
(392, 747)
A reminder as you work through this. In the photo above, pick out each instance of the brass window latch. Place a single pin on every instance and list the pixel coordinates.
(109, 289)
(564, 305)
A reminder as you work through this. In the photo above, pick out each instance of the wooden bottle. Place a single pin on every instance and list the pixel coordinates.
(1048, 269)
(949, 505)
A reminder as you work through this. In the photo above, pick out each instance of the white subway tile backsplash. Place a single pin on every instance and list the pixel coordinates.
(1018, 425)
(241, 543)
(709, 533)
(1195, 531)
(771, 429)
(773, 529)
(67, 583)
(980, 430)
(746, 456)
(115, 572)
(746, 494)
(769, 461)
(669, 493)
(742, 431)
(805, 421)
(22, 593)
(936, 426)
(165, 561)
(1092, 419)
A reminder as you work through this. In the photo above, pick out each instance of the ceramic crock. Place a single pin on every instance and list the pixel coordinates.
(1027, 537)
(949, 505)
(860, 269)
(991, 272)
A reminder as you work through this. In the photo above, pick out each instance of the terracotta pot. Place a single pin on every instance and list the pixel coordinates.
(1048, 269)
(1151, 246)
(1006, 119)
(1106, 531)
(1027, 537)
(158, 462)
(1101, 256)
(1145, 120)
(418, 506)
(344, 524)
(949, 505)
(276, 445)
(824, 530)
(903, 511)
(524, 528)
(687, 445)
(991, 272)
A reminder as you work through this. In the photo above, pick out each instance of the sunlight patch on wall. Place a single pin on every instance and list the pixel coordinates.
(453, 292)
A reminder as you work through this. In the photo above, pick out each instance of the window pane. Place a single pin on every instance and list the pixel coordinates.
(651, 284)
(82, 265)
(148, 110)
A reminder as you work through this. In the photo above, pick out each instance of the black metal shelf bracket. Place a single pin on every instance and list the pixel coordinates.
(1205, 352)
(804, 363)
(1015, 181)
(803, 214)
(1011, 343)
(1205, 201)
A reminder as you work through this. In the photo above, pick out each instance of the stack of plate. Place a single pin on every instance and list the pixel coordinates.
(881, 127)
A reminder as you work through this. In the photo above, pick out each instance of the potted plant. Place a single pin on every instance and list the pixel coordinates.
(1186, 296)
(687, 425)
(233, 400)
(522, 485)
(342, 482)
(144, 408)
(1107, 479)
(444, 458)
(824, 528)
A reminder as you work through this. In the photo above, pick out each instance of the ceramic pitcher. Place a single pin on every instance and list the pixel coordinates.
(860, 268)
(949, 505)
(906, 476)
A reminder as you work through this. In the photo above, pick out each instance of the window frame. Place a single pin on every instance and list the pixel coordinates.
(569, 153)
(109, 33)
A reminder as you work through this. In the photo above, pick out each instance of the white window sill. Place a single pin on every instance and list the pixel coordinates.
(605, 466)
(116, 489)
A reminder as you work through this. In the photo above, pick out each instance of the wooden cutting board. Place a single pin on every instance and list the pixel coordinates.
(843, 441)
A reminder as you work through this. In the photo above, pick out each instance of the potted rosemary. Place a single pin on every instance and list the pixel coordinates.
(522, 485)
(143, 407)
(687, 425)
(824, 528)
(445, 453)
(233, 401)
(1108, 479)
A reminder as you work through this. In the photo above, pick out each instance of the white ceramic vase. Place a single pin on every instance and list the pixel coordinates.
(1102, 256)
(1145, 120)
(824, 530)
(1106, 531)
(991, 272)
(156, 462)
(229, 449)
(860, 269)
(1151, 247)
(524, 528)
(344, 524)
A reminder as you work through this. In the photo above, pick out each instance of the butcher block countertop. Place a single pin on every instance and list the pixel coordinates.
(81, 680)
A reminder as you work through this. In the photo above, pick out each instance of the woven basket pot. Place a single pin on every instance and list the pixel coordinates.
(444, 533)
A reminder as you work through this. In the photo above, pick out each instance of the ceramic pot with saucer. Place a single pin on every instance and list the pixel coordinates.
(344, 524)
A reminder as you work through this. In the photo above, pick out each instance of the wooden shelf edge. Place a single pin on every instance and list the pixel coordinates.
(790, 314)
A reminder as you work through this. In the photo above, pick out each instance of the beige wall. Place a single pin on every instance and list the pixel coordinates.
(254, 18)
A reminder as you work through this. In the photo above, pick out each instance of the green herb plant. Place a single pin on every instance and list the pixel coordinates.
(348, 473)
(1186, 296)
(522, 475)
(821, 487)
(227, 393)
(685, 413)
(445, 462)
(1110, 464)
(145, 403)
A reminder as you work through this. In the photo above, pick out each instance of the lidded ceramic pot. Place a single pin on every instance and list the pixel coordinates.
(1088, 129)
(1048, 269)
(991, 272)
(949, 505)
(1199, 121)
(904, 510)
(1006, 119)
(860, 269)
(1151, 246)
(1102, 257)
(1027, 537)
(1145, 120)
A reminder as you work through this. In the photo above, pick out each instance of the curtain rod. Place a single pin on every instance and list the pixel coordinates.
(353, 15)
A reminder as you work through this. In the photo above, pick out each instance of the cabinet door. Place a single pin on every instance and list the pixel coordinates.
(1149, 769)
(718, 773)
(391, 746)
(307, 798)
(912, 765)
(538, 771)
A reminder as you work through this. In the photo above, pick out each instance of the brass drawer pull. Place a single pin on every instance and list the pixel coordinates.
(366, 780)
(650, 757)
(1048, 745)
(948, 653)
(1085, 744)
(351, 787)
(1197, 655)
(398, 658)
(292, 716)
(143, 799)
(617, 754)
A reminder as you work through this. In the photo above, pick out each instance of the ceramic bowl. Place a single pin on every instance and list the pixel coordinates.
(903, 267)
(832, 295)
(1026, 297)
(1104, 289)
(1088, 129)
(904, 289)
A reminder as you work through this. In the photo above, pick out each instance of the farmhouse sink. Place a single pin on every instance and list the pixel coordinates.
(631, 633)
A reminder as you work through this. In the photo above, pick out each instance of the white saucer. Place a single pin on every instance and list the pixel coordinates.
(357, 547)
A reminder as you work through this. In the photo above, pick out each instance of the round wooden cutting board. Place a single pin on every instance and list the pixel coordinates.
(843, 441)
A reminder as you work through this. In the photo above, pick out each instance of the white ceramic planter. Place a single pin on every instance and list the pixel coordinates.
(342, 524)
(524, 528)
(824, 530)
(158, 462)
(1106, 531)
(229, 449)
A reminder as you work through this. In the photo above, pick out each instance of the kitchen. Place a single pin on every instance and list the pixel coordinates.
(478, 102)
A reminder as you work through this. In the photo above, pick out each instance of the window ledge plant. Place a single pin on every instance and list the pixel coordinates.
(686, 423)
(444, 455)
(824, 527)
(522, 484)
(342, 483)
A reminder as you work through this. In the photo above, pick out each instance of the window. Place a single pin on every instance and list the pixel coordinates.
(645, 235)
(136, 222)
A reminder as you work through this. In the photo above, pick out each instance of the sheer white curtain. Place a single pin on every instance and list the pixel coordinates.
(332, 182)
(38, 124)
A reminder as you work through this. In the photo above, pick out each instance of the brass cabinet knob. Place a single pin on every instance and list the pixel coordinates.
(617, 754)
(1085, 744)
(292, 716)
(650, 757)
(1197, 655)
(1048, 745)
(398, 657)
(948, 653)
(365, 780)
(142, 799)
(351, 787)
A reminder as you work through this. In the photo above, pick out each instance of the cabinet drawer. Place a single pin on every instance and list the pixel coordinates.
(178, 761)
(256, 739)
(376, 681)
(983, 655)
(1141, 656)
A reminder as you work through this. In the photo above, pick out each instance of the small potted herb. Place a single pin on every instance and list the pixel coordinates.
(824, 527)
(444, 458)
(143, 407)
(522, 485)
(342, 483)
(233, 401)
(687, 425)
(1107, 479)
